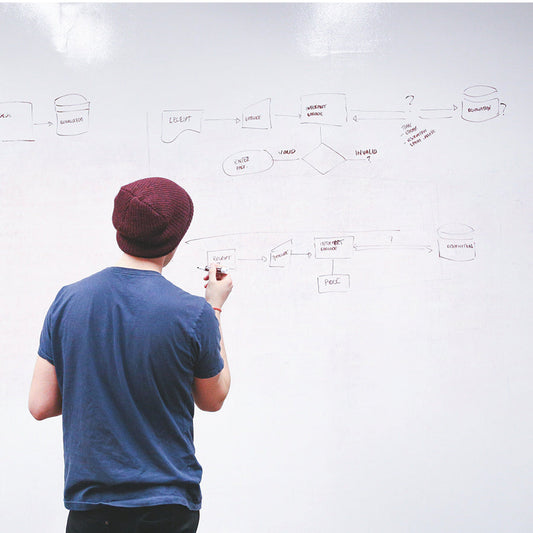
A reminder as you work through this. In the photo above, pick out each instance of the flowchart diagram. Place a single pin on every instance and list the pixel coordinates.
(329, 250)
(17, 118)
(455, 242)
(478, 104)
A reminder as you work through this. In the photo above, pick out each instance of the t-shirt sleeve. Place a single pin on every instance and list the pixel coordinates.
(208, 361)
(45, 344)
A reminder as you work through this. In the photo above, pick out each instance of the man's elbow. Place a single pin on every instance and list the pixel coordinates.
(210, 406)
(209, 394)
(41, 412)
(211, 402)
(37, 413)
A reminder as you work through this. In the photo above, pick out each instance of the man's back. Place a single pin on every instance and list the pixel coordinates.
(126, 345)
(124, 357)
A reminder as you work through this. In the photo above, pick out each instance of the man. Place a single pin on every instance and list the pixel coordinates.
(124, 355)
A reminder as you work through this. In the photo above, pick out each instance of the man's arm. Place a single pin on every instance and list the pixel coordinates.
(210, 393)
(45, 396)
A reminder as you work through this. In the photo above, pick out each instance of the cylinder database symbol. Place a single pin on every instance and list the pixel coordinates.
(72, 112)
(456, 242)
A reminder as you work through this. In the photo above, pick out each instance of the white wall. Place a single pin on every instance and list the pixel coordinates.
(402, 404)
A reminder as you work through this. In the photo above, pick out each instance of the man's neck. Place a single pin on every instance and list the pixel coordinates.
(141, 263)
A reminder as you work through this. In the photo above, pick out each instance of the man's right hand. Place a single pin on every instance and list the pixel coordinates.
(218, 287)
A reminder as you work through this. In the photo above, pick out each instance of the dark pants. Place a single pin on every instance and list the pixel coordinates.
(158, 519)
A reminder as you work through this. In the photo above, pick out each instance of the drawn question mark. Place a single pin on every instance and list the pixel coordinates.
(412, 98)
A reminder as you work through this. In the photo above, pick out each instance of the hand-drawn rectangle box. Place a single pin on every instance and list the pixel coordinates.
(175, 122)
(333, 283)
(280, 256)
(334, 247)
(327, 109)
(224, 258)
(16, 121)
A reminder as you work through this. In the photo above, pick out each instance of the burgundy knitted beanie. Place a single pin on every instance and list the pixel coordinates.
(151, 217)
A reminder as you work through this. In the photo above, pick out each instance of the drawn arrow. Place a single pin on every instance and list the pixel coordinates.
(285, 160)
(289, 116)
(377, 115)
(438, 110)
(308, 254)
(426, 247)
(43, 124)
(367, 158)
(454, 108)
(262, 258)
(236, 119)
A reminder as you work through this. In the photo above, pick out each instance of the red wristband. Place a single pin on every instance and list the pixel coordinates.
(217, 309)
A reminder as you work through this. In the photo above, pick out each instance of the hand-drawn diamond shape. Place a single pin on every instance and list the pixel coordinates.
(324, 159)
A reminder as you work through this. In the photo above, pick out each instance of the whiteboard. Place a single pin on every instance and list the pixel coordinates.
(365, 171)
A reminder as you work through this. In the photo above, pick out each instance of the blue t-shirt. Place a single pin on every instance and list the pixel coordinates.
(126, 345)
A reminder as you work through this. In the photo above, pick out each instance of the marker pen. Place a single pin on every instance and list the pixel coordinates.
(220, 270)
